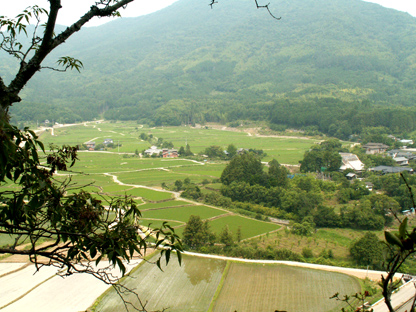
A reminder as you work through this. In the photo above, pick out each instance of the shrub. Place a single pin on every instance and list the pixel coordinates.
(307, 252)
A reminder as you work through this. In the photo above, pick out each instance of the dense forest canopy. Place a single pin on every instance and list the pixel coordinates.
(336, 66)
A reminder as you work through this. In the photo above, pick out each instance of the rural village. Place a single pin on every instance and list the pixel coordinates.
(207, 156)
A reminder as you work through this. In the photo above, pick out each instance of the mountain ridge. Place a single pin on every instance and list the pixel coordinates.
(188, 57)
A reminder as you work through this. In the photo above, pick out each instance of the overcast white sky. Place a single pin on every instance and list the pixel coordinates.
(73, 9)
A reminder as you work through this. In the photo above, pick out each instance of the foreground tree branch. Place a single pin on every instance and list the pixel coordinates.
(9, 94)
(75, 232)
(211, 4)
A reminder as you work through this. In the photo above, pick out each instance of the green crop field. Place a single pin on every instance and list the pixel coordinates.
(153, 177)
(123, 133)
(259, 288)
(198, 173)
(343, 237)
(101, 162)
(165, 204)
(97, 172)
(154, 224)
(6, 240)
(285, 150)
(195, 286)
(116, 189)
(183, 213)
(148, 194)
(249, 227)
(102, 168)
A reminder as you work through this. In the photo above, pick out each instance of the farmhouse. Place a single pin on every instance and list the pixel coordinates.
(389, 169)
(153, 150)
(90, 145)
(242, 151)
(402, 161)
(393, 153)
(108, 141)
(169, 153)
(369, 186)
(375, 148)
(406, 142)
(408, 155)
(351, 176)
(351, 161)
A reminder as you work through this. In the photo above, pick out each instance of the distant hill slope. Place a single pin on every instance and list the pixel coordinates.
(190, 63)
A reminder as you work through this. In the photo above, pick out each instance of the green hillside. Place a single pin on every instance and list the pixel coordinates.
(188, 63)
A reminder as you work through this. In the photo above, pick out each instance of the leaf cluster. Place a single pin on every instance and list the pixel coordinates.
(10, 29)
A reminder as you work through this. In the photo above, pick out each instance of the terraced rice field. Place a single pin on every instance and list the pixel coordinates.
(249, 227)
(259, 288)
(165, 204)
(186, 288)
(148, 194)
(182, 214)
(203, 284)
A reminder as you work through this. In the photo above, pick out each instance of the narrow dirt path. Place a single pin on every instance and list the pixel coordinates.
(116, 180)
(91, 140)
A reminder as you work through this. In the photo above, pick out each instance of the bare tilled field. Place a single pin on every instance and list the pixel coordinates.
(43, 291)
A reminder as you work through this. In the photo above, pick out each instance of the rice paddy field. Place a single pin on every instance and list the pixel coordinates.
(201, 284)
(119, 172)
(253, 287)
(204, 284)
(183, 213)
(217, 219)
(249, 227)
(285, 150)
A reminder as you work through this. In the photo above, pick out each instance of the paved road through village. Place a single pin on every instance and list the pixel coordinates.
(399, 299)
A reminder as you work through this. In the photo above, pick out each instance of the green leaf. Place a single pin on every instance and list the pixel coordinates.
(403, 228)
(93, 251)
(98, 260)
(392, 239)
(179, 254)
(41, 145)
(167, 256)
(158, 264)
(121, 265)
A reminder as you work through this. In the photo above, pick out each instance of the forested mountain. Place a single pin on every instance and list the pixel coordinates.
(345, 64)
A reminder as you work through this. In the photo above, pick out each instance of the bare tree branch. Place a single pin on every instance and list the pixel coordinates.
(257, 5)
(49, 43)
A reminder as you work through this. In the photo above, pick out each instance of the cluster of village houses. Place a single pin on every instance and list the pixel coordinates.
(400, 156)
(91, 144)
(165, 152)
(154, 150)
(349, 160)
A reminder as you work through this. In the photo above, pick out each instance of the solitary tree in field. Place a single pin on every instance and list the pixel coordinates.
(197, 233)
